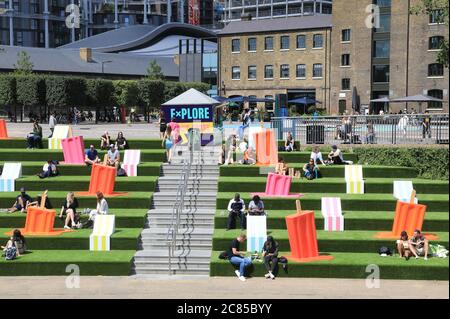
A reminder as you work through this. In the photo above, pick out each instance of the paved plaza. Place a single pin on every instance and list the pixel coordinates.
(177, 287)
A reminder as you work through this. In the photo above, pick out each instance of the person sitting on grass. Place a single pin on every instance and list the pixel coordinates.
(101, 209)
(91, 156)
(49, 170)
(69, 208)
(16, 243)
(311, 170)
(37, 202)
(236, 207)
(34, 139)
(289, 143)
(21, 203)
(282, 167)
(105, 141)
(256, 206)
(113, 157)
(270, 255)
(121, 142)
(316, 155)
(248, 157)
(237, 257)
(335, 157)
(419, 245)
(404, 246)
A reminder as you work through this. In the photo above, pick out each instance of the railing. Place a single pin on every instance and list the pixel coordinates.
(178, 206)
(365, 129)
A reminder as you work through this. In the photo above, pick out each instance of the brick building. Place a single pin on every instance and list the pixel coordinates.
(266, 57)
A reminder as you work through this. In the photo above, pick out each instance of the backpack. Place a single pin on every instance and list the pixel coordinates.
(284, 263)
(121, 172)
(224, 255)
(87, 224)
(384, 251)
(10, 253)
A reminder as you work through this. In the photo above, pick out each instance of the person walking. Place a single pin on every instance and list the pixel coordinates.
(52, 123)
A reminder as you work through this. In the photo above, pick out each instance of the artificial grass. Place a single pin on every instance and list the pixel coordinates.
(303, 157)
(124, 218)
(32, 168)
(81, 183)
(356, 202)
(325, 184)
(122, 239)
(55, 262)
(133, 143)
(23, 154)
(327, 171)
(346, 241)
(346, 265)
(129, 200)
(354, 220)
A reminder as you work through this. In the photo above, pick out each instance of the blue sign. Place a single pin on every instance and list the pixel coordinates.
(186, 114)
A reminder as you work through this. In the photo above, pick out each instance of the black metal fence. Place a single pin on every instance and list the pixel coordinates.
(365, 129)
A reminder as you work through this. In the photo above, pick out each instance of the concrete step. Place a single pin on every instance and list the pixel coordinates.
(184, 213)
(164, 253)
(178, 265)
(189, 188)
(158, 223)
(165, 271)
(164, 205)
(186, 246)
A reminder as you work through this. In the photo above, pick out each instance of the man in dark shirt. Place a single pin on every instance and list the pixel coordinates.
(91, 156)
(34, 139)
(419, 244)
(21, 202)
(237, 258)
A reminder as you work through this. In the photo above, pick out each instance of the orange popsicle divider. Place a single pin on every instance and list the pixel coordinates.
(302, 236)
(3, 130)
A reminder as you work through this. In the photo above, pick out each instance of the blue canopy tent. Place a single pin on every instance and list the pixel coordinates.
(305, 101)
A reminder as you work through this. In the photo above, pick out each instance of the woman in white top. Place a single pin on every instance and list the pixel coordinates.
(316, 155)
(102, 207)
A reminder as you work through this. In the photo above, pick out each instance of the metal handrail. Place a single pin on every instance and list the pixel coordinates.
(172, 232)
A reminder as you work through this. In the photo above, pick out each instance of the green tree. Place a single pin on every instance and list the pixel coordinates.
(440, 9)
(154, 71)
(24, 65)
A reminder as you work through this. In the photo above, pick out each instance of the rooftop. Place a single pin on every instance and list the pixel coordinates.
(319, 21)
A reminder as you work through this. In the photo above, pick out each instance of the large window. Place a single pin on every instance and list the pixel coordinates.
(381, 73)
(436, 69)
(252, 72)
(438, 94)
(345, 60)
(437, 16)
(301, 41)
(284, 71)
(268, 43)
(300, 71)
(268, 72)
(383, 3)
(317, 70)
(385, 23)
(435, 42)
(346, 35)
(345, 84)
(284, 42)
(317, 41)
(235, 73)
(381, 49)
(235, 45)
(252, 44)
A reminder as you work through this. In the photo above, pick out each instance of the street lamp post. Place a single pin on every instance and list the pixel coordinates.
(103, 65)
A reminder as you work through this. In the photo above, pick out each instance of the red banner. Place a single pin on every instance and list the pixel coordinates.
(194, 12)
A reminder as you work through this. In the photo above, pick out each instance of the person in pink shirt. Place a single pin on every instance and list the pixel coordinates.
(175, 127)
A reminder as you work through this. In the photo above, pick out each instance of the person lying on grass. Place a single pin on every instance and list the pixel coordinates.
(21, 203)
(49, 170)
(404, 246)
(17, 243)
(69, 208)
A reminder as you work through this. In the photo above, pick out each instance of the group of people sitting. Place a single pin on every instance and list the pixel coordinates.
(106, 142)
(236, 208)
(416, 246)
(68, 212)
(238, 259)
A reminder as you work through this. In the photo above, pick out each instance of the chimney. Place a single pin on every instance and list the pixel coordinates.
(86, 54)
(246, 17)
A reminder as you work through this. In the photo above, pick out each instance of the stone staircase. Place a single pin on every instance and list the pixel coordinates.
(194, 238)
